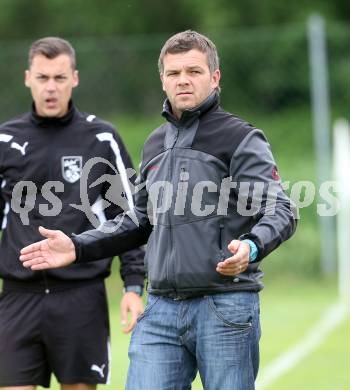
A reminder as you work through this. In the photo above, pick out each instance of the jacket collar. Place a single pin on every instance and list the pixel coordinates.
(56, 122)
(189, 116)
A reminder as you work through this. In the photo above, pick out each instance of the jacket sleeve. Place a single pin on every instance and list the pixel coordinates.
(2, 203)
(123, 232)
(258, 185)
(126, 231)
(131, 262)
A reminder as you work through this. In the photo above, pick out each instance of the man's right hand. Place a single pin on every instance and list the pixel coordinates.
(55, 252)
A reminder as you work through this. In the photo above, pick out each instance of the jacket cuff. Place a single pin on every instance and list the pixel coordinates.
(253, 254)
(133, 280)
(77, 247)
(136, 289)
(259, 245)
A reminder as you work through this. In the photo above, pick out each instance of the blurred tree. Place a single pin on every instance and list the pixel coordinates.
(226, 13)
(23, 19)
(262, 45)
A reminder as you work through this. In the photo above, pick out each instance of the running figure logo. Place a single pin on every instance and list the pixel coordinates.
(116, 194)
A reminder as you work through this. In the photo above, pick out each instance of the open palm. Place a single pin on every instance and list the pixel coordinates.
(56, 251)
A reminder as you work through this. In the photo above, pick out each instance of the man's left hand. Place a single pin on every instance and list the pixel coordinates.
(238, 262)
(131, 302)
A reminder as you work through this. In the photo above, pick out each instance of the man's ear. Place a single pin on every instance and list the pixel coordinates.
(75, 78)
(215, 78)
(27, 78)
(161, 79)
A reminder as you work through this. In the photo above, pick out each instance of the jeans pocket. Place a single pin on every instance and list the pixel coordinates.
(151, 301)
(233, 309)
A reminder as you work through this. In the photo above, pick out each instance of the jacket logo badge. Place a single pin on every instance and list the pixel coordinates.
(17, 146)
(71, 168)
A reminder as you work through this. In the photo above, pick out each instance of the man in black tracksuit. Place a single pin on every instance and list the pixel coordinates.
(211, 207)
(57, 320)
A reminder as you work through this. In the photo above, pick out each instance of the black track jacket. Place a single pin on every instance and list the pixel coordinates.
(41, 162)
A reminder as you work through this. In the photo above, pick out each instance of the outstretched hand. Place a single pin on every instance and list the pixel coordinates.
(56, 251)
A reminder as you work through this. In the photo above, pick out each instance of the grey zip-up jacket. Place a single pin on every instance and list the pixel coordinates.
(198, 174)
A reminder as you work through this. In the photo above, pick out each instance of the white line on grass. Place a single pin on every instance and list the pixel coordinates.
(333, 317)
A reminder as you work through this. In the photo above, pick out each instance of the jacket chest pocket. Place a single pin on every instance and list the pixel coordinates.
(196, 190)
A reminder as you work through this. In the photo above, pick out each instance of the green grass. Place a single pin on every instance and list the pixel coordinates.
(289, 307)
(327, 368)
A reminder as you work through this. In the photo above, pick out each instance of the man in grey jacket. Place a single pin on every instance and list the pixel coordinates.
(210, 206)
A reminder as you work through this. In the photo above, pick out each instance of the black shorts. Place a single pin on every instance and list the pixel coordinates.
(65, 333)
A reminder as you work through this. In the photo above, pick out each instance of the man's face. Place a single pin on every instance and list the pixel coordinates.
(187, 80)
(51, 82)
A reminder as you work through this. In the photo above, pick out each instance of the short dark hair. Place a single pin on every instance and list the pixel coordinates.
(186, 41)
(51, 47)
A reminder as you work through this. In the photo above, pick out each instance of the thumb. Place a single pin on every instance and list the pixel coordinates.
(233, 246)
(123, 314)
(47, 233)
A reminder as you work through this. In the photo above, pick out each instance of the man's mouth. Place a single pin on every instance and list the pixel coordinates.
(51, 101)
(184, 93)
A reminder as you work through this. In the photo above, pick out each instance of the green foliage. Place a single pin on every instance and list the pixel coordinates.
(270, 63)
(86, 18)
(264, 69)
(339, 65)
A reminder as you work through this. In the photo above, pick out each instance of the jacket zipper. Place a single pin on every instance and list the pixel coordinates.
(221, 229)
(46, 284)
(48, 225)
(171, 281)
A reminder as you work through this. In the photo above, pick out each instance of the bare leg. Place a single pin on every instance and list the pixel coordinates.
(76, 386)
(18, 388)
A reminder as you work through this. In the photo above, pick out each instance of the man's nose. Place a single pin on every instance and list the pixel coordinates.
(51, 85)
(183, 79)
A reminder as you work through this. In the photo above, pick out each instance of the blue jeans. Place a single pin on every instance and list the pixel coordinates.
(216, 334)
